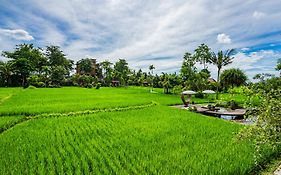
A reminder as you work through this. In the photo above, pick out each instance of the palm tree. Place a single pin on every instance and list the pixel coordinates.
(221, 59)
(6, 71)
(151, 67)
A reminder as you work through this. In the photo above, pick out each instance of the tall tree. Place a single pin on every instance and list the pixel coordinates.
(187, 69)
(165, 81)
(202, 54)
(60, 66)
(107, 71)
(220, 60)
(233, 77)
(85, 66)
(57, 75)
(121, 71)
(22, 67)
(29, 52)
(26, 59)
(56, 57)
(151, 68)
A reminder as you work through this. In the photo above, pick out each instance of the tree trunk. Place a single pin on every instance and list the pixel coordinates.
(218, 83)
(23, 81)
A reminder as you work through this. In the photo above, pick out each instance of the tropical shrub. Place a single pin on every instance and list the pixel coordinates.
(266, 132)
(232, 78)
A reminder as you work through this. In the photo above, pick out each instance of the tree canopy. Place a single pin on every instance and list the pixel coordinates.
(233, 77)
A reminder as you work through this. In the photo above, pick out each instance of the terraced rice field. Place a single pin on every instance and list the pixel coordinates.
(114, 131)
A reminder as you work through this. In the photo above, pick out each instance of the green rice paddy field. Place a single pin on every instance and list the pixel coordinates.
(113, 131)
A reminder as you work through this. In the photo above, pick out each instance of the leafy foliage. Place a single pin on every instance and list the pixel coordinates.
(202, 54)
(266, 133)
(121, 71)
(233, 77)
(85, 66)
(221, 59)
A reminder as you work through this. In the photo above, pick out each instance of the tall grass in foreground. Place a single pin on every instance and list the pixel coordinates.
(155, 140)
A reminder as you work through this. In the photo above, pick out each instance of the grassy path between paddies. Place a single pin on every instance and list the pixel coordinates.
(9, 122)
(5, 98)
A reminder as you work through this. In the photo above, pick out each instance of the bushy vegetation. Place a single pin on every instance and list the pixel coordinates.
(266, 132)
(233, 78)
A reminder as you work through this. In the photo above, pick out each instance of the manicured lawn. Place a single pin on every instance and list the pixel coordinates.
(156, 139)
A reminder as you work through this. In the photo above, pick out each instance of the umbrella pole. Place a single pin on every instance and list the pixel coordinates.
(183, 100)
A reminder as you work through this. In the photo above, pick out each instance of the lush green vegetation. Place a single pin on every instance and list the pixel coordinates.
(148, 140)
(67, 99)
(153, 140)
(129, 130)
(54, 100)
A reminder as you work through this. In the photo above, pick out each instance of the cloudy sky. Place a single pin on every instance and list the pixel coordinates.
(154, 32)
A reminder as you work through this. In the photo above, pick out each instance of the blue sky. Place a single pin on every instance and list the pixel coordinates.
(155, 32)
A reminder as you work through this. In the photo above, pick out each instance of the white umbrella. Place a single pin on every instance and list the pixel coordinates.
(209, 92)
(188, 92)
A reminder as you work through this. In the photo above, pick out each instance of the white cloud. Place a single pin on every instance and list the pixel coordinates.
(258, 15)
(18, 34)
(263, 61)
(245, 49)
(136, 29)
(223, 39)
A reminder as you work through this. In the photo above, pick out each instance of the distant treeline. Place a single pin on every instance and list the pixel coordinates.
(49, 67)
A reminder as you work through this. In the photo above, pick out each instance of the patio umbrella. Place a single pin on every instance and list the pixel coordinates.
(209, 92)
(189, 93)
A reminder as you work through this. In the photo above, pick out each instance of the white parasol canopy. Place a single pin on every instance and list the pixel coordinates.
(188, 92)
(209, 92)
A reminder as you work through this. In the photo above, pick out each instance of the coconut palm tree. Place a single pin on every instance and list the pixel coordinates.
(221, 59)
(151, 67)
